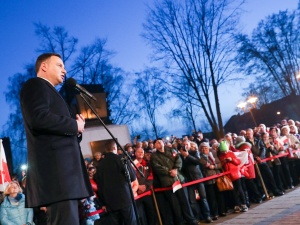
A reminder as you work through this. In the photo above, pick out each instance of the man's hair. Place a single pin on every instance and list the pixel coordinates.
(42, 58)
(109, 145)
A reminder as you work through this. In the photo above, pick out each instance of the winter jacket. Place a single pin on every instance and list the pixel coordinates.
(213, 160)
(191, 166)
(15, 214)
(232, 166)
(162, 163)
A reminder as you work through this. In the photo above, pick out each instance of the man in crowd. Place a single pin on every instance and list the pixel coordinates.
(56, 174)
(191, 170)
(145, 204)
(114, 190)
(166, 165)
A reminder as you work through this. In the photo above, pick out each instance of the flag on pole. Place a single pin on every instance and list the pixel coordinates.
(4, 173)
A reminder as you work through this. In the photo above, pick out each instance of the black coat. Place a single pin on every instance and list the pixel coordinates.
(191, 166)
(56, 169)
(113, 188)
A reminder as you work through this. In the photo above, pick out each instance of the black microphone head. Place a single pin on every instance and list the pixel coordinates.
(71, 82)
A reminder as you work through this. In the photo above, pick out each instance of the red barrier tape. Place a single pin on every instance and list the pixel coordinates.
(192, 182)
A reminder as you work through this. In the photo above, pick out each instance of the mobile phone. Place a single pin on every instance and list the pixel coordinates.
(138, 136)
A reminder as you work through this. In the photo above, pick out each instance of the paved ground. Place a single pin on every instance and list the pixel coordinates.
(280, 210)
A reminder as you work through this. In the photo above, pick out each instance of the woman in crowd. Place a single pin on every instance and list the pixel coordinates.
(279, 145)
(231, 163)
(211, 165)
(13, 209)
(274, 164)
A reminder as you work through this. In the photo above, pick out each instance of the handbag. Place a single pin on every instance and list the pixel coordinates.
(224, 183)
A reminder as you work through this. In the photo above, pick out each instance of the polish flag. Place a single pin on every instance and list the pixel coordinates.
(176, 186)
(4, 173)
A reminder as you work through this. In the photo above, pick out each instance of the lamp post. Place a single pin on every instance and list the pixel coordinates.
(252, 101)
(249, 104)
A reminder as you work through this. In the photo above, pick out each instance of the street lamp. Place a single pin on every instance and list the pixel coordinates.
(242, 106)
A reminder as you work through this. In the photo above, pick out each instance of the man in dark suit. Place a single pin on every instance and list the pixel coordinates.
(56, 176)
(114, 190)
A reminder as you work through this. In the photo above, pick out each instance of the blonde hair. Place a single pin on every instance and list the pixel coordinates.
(8, 186)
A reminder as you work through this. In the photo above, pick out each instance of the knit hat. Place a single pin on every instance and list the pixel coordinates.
(223, 146)
(204, 144)
(241, 140)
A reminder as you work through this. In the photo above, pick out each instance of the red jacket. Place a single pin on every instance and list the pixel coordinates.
(232, 166)
(250, 165)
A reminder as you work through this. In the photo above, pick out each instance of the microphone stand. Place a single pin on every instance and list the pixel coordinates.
(124, 159)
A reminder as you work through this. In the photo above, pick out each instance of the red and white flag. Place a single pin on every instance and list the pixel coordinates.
(4, 173)
(176, 186)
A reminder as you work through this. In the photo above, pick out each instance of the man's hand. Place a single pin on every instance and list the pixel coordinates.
(104, 208)
(184, 153)
(141, 189)
(80, 123)
(173, 172)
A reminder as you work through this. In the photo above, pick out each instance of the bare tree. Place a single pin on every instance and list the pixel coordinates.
(195, 40)
(272, 55)
(151, 93)
(92, 67)
(14, 128)
(55, 40)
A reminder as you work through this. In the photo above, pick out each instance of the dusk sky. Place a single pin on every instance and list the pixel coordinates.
(120, 21)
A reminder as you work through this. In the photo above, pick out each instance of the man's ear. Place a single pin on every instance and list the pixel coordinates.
(44, 66)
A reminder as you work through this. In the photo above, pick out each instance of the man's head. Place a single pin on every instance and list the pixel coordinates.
(51, 67)
(186, 144)
(249, 133)
(139, 153)
(159, 145)
(110, 146)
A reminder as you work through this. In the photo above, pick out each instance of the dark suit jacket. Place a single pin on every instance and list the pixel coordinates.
(113, 191)
(56, 169)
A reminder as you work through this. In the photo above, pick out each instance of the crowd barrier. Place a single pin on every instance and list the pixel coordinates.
(151, 192)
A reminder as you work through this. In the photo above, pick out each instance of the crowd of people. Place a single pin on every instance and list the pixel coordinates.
(164, 162)
(190, 158)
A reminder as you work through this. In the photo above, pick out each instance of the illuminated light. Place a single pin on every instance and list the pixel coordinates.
(278, 113)
(298, 76)
(242, 105)
(167, 138)
(252, 100)
(24, 167)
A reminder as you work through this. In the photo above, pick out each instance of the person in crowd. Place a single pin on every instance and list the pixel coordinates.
(96, 159)
(261, 129)
(229, 140)
(114, 189)
(252, 193)
(12, 210)
(52, 137)
(128, 148)
(242, 133)
(274, 164)
(231, 163)
(291, 142)
(211, 165)
(294, 131)
(191, 170)
(150, 147)
(259, 152)
(290, 122)
(274, 133)
(87, 161)
(166, 165)
(234, 136)
(92, 171)
(198, 138)
(145, 204)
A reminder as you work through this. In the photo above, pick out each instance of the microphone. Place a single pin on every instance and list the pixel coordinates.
(73, 83)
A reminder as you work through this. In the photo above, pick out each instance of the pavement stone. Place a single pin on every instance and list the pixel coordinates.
(279, 210)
